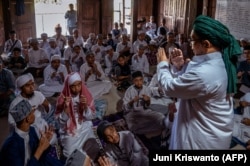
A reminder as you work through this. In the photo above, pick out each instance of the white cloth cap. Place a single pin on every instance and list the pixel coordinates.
(74, 77)
(23, 79)
(140, 32)
(244, 39)
(108, 48)
(55, 57)
(52, 39)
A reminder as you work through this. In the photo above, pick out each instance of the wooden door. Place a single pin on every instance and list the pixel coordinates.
(88, 17)
(24, 25)
(2, 36)
(107, 16)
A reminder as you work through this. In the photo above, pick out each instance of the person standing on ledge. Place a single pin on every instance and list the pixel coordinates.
(71, 16)
(204, 89)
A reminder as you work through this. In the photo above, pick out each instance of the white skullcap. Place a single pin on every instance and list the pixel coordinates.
(44, 34)
(76, 45)
(141, 47)
(153, 42)
(108, 48)
(55, 57)
(52, 39)
(244, 39)
(73, 78)
(23, 79)
(140, 32)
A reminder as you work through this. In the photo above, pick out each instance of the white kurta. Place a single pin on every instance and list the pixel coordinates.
(99, 56)
(120, 46)
(98, 86)
(35, 56)
(159, 102)
(137, 43)
(140, 63)
(78, 61)
(53, 51)
(39, 124)
(55, 84)
(204, 119)
(82, 132)
(109, 61)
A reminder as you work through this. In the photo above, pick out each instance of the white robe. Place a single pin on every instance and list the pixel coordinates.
(137, 43)
(35, 56)
(55, 84)
(82, 132)
(39, 124)
(99, 56)
(204, 119)
(98, 86)
(109, 62)
(53, 51)
(120, 46)
(140, 64)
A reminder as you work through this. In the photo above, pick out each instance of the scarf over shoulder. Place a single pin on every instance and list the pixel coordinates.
(71, 124)
(218, 34)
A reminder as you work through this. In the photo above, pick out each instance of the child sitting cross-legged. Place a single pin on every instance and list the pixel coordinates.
(121, 147)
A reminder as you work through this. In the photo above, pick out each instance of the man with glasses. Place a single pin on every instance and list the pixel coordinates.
(205, 107)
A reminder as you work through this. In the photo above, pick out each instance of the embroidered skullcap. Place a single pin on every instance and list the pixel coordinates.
(137, 74)
(101, 128)
(218, 34)
(108, 48)
(55, 57)
(23, 79)
(73, 78)
(52, 39)
(21, 110)
(76, 158)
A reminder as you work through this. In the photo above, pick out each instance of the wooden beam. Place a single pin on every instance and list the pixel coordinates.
(134, 19)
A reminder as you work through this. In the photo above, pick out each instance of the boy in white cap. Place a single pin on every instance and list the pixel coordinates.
(94, 76)
(25, 83)
(74, 111)
(54, 75)
(25, 146)
(110, 59)
(53, 49)
(44, 43)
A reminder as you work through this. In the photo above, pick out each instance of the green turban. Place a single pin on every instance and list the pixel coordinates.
(218, 34)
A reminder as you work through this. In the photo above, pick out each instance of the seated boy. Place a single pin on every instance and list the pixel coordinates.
(94, 76)
(241, 132)
(136, 102)
(24, 146)
(122, 73)
(121, 146)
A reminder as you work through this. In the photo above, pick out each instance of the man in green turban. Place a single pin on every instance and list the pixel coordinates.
(204, 110)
